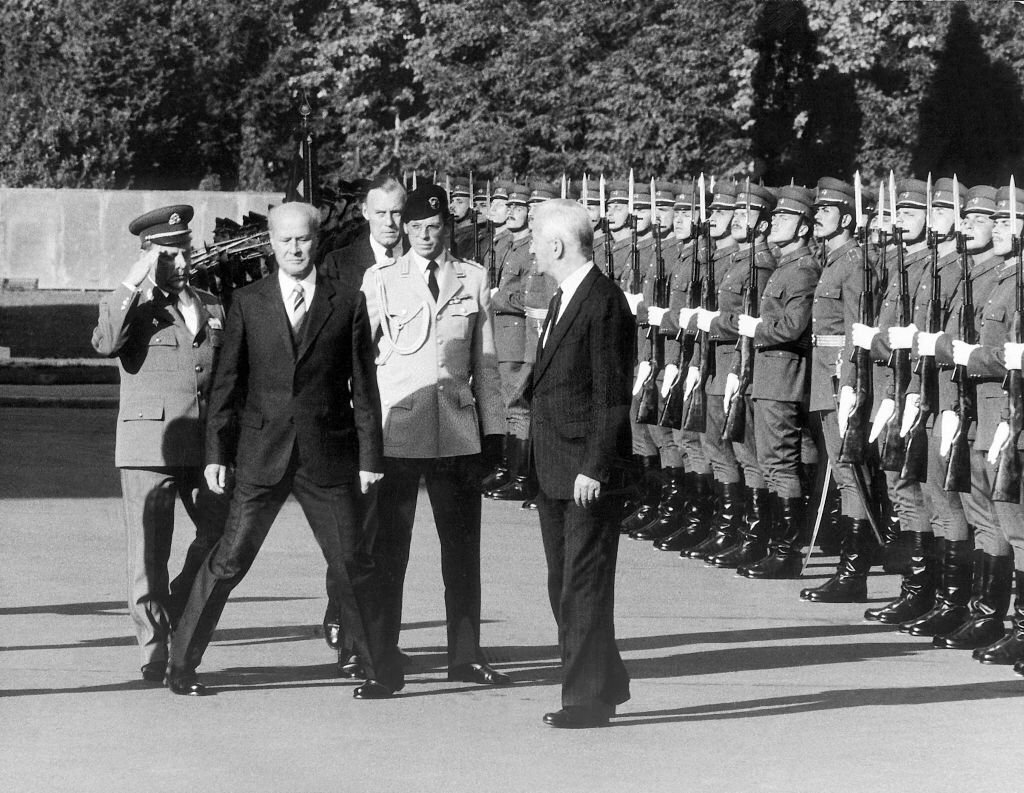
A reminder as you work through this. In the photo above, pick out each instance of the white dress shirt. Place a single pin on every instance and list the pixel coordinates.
(380, 253)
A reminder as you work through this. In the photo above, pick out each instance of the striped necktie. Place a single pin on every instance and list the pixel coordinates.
(298, 309)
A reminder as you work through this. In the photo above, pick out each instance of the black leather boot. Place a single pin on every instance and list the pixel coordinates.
(849, 584)
(517, 487)
(830, 535)
(894, 553)
(1010, 648)
(499, 476)
(671, 508)
(752, 541)
(990, 600)
(951, 594)
(695, 523)
(649, 483)
(917, 591)
(727, 523)
(783, 559)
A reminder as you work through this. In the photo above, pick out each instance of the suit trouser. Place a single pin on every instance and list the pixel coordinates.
(148, 496)
(455, 502)
(331, 514)
(581, 548)
(366, 517)
(719, 453)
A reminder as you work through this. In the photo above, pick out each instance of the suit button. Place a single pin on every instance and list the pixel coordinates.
(440, 388)
(195, 344)
(199, 368)
(156, 340)
(140, 415)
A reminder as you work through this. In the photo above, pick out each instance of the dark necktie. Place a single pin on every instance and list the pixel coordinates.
(552, 318)
(432, 278)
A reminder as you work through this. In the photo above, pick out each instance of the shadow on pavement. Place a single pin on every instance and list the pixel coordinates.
(113, 607)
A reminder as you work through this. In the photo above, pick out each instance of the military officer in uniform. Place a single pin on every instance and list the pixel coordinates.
(440, 393)
(166, 337)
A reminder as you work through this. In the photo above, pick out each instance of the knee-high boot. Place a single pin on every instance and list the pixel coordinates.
(752, 540)
(990, 600)
(917, 591)
(783, 559)
(723, 534)
(1010, 648)
(849, 584)
(951, 594)
(649, 485)
(695, 521)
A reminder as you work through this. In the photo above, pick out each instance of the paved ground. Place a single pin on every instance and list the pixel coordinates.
(737, 686)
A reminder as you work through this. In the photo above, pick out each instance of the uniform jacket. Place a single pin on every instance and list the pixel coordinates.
(581, 389)
(165, 375)
(318, 394)
(783, 337)
(507, 306)
(836, 307)
(436, 362)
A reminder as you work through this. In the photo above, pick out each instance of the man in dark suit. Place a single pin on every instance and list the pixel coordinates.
(298, 381)
(166, 339)
(580, 399)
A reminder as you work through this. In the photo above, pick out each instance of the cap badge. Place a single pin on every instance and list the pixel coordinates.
(174, 219)
(434, 203)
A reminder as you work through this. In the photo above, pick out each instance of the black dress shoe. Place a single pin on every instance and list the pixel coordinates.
(332, 634)
(578, 718)
(373, 689)
(481, 673)
(349, 666)
(186, 686)
(154, 673)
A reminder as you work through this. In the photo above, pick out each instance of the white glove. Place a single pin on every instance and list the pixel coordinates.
(847, 402)
(926, 343)
(949, 422)
(862, 335)
(643, 372)
(748, 325)
(901, 338)
(685, 315)
(494, 291)
(911, 409)
(1013, 351)
(962, 351)
(654, 315)
(634, 301)
(885, 412)
(732, 385)
(705, 317)
(999, 440)
(670, 377)
(692, 379)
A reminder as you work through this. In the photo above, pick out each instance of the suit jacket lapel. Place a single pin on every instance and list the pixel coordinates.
(277, 315)
(319, 311)
(561, 327)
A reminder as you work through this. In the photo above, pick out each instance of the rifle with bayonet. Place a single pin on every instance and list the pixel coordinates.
(735, 420)
(915, 462)
(958, 462)
(492, 256)
(1006, 486)
(636, 278)
(695, 410)
(893, 446)
(647, 407)
(854, 444)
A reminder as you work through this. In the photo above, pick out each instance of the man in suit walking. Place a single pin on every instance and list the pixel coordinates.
(166, 340)
(580, 399)
(298, 382)
(439, 386)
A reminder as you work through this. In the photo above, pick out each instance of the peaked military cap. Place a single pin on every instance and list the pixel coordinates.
(724, 195)
(460, 187)
(424, 202)
(480, 191)
(164, 226)
(499, 191)
(981, 199)
(760, 197)
(795, 200)
(1003, 202)
(542, 191)
(665, 193)
(518, 194)
(912, 194)
(942, 194)
(618, 192)
(685, 195)
(836, 193)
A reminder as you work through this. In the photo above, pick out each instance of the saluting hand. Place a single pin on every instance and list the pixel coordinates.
(142, 268)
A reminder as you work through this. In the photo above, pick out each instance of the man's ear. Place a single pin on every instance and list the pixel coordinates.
(362, 208)
(558, 248)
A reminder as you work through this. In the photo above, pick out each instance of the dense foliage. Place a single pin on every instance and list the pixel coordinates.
(189, 93)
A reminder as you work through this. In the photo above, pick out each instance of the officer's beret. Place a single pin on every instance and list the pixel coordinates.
(425, 201)
(164, 226)
(519, 194)
(542, 191)
(1003, 202)
(724, 195)
(795, 200)
(836, 193)
(912, 194)
(760, 197)
(981, 199)
(942, 193)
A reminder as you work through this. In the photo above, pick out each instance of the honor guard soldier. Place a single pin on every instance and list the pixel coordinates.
(782, 337)
(516, 354)
(166, 337)
(740, 513)
(463, 225)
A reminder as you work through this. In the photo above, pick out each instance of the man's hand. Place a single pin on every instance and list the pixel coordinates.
(885, 412)
(142, 268)
(999, 440)
(926, 343)
(368, 478)
(847, 402)
(705, 318)
(1012, 352)
(862, 335)
(655, 315)
(634, 301)
(748, 325)
(962, 352)
(686, 315)
(911, 409)
(585, 491)
(692, 379)
(948, 426)
(902, 337)
(216, 478)
(732, 385)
